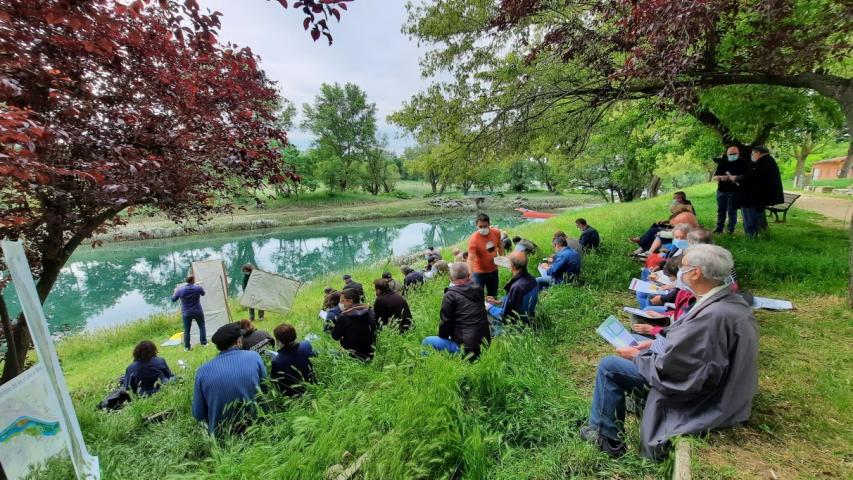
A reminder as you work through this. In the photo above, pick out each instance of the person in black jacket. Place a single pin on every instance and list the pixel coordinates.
(291, 367)
(759, 187)
(521, 293)
(355, 327)
(148, 371)
(590, 240)
(730, 164)
(350, 284)
(464, 323)
(254, 339)
(390, 307)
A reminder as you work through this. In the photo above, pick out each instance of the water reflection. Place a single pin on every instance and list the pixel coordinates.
(115, 284)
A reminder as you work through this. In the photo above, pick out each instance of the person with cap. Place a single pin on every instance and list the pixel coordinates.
(590, 239)
(247, 273)
(483, 246)
(355, 327)
(391, 307)
(190, 297)
(411, 278)
(291, 367)
(226, 386)
(350, 284)
(394, 285)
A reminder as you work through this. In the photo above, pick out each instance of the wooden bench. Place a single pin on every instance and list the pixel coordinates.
(783, 207)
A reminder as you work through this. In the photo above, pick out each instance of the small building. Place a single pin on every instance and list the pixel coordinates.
(829, 169)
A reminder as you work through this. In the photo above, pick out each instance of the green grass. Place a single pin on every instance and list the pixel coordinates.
(514, 414)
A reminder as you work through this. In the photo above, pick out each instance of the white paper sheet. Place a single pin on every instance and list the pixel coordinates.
(638, 285)
(771, 304)
(615, 334)
(640, 313)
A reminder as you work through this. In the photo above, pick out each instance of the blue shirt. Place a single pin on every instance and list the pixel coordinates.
(234, 375)
(292, 367)
(567, 262)
(145, 377)
(190, 296)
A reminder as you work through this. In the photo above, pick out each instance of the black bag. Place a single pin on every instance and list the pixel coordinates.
(115, 400)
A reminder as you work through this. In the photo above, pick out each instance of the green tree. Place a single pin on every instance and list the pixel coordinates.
(379, 170)
(344, 125)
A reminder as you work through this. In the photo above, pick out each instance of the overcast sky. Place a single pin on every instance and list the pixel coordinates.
(368, 50)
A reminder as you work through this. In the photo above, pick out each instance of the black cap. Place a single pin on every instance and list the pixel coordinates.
(387, 275)
(227, 335)
(347, 277)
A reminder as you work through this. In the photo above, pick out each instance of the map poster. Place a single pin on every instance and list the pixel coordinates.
(31, 426)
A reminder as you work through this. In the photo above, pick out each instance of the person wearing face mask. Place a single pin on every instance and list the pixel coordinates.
(730, 164)
(760, 186)
(356, 326)
(484, 245)
(700, 373)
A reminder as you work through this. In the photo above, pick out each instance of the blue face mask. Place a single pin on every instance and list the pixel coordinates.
(680, 244)
(732, 158)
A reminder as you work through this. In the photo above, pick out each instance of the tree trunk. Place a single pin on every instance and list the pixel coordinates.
(11, 367)
(801, 167)
(654, 186)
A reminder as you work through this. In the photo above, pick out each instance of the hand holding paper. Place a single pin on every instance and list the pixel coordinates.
(615, 334)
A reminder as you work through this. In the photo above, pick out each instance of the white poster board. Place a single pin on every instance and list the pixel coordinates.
(45, 415)
(269, 292)
(210, 275)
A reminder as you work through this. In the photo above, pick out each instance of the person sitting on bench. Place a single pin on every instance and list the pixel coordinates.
(521, 292)
(701, 373)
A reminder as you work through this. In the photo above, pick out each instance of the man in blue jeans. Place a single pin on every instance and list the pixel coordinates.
(190, 296)
(729, 165)
(760, 186)
(566, 265)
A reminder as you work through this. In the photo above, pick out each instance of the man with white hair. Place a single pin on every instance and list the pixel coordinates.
(464, 323)
(700, 373)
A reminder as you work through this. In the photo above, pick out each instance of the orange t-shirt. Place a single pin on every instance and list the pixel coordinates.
(479, 258)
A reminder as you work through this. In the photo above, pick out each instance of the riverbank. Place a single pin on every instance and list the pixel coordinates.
(324, 208)
(513, 414)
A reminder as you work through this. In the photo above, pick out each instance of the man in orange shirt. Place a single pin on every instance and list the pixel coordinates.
(483, 247)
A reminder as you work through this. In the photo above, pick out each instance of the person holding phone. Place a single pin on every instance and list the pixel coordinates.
(483, 246)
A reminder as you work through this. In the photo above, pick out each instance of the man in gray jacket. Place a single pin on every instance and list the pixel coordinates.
(700, 373)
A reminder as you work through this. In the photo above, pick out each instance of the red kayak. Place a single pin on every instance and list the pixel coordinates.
(526, 213)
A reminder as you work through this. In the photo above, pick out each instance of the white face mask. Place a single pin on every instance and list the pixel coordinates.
(484, 231)
(679, 282)
(342, 307)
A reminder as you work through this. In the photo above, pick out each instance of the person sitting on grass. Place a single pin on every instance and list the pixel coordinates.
(565, 267)
(247, 273)
(429, 271)
(394, 285)
(524, 245)
(254, 339)
(148, 371)
(333, 310)
(463, 324)
(226, 386)
(679, 213)
(678, 244)
(355, 327)
(521, 292)
(590, 240)
(458, 255)
(656, 303)
(291, 367)
(701, 373)
(391, 307)
(411, 279)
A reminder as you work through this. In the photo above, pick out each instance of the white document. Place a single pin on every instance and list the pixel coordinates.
(542, 271)
(771, 304)
(502, 262)
(269, 292)
(615, 334)
(324, 314)
(640, 286)
(660, 278)
(669, 305)
(640, 313)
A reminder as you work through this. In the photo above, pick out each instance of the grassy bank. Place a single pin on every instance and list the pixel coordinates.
(513, 414)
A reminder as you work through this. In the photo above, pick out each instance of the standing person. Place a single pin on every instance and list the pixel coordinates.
(464, 323)
(759, 187)
(148, 371)
(190, 296)
(589, 236)
(226, 386)
(350, 284)
(390, 306)
(728, 165)
(254, 339)
(355, 327)
(247, 273)
(483, 247)
(292, 366)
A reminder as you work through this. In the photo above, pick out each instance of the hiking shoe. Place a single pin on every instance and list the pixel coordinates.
(614, 448)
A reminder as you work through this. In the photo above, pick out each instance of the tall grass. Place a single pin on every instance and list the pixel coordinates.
(512, 415)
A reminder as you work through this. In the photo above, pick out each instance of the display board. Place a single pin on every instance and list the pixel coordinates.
(270, 292)
(210, 275)
(37, 418)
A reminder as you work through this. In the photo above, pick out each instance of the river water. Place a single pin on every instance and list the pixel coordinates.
(122, 282)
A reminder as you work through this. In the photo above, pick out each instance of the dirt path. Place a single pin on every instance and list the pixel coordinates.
(837, 208)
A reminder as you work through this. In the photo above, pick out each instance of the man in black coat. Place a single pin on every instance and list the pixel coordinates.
(521, 292)
(390, 306)
(464, 322)
(350, 284)
(730, 164)
(759, 187)
(355, 327)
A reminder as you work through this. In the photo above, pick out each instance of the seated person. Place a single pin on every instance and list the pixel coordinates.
(678, 241)
(148, 371)
(701, 373)
(393, 284)
(431, 252)
(390, 307)
(506, 242)
(521, 291)
(411, 278)
(292, 366)
(333, 310)
(429, 272)
(655, 303)
(355, 327)
(350, 284)
(458, 255)
(678, 214)
(524, 245)
(565, 267)
(589, 236)
(463, 324)
(441, 268)
(226, 386)
(681, 198)
(254, 339)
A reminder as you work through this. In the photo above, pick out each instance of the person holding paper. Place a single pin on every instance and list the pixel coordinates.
(521, 292)
(356, 327)
(565, 268)
(333, 309)
(190, 297)
(701, 373)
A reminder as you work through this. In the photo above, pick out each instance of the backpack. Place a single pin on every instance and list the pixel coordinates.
(115, 400)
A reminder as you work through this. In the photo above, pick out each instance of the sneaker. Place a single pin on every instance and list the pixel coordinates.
(614, 448)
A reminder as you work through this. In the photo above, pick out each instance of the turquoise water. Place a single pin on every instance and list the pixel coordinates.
(123, 282)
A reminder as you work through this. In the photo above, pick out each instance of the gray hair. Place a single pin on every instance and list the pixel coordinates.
(715, 262)
(700, 236)
(459, 271)
(518, 261)
(682, 227)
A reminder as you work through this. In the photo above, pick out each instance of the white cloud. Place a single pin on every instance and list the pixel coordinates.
(368, 50)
